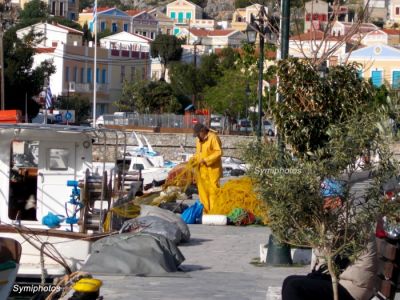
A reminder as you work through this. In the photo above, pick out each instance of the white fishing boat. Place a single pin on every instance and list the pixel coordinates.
(40, 166)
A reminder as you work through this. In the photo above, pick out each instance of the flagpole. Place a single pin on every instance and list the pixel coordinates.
(45, 108)
(95, 64)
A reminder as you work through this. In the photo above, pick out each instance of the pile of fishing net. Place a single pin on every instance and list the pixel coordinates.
(236, 193)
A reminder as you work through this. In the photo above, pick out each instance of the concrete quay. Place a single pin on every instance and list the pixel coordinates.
(220, 264)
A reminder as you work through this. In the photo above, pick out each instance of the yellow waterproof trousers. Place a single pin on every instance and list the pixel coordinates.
(208, 185)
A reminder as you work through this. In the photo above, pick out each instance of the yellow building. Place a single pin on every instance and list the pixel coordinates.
(380, 63)
(242, 16)
(183, 13)
(111, 19)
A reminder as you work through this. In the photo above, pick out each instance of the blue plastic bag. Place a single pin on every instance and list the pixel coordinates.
(332, 188)
(193, 214)
(53, 221)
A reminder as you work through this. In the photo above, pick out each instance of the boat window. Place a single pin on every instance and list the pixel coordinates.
(23, 180)
(58, 159)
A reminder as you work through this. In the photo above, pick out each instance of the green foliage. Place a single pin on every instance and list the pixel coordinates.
(103, 34)
(167, 48)
(311, 103)
(148, 97)
(19, 78)
(228, 58)
(186, 79)
(227, 98)
(87, 35)
(79, 103)
(35, 9)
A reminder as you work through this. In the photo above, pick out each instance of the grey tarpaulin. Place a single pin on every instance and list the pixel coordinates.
(134, 254)
(149, 210)
(153, 224)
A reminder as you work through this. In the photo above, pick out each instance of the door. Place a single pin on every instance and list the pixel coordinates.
(57, 165)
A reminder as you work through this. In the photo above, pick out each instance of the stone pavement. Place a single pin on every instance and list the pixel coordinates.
(218, 265)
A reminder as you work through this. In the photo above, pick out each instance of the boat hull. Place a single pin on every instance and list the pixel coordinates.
(70, 247)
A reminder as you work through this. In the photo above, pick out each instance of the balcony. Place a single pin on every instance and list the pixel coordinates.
(88, 87)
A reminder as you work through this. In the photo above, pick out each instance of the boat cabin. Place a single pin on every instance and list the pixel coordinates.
(36, 163)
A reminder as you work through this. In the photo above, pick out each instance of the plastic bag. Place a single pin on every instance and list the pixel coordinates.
(192, 214)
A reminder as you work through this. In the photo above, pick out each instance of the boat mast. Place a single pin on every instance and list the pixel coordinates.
(95, 64)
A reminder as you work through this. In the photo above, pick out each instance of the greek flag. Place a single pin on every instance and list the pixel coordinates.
(49, 98)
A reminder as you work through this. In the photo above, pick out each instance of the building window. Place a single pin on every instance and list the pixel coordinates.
(67, 74)
(397, 11)
(72, 16)
(126, 27)
(62, 9)
(176, 31)
(188, 15)
(144, 33)
(102, 26)
(54, 44)
(97, 75)
(82, 75)
(180, 17)
(89, 75)
(122, 74)
(114, 27)
(396, 80)
(53, 8)
(173, 15)
(75, 73)
(152, 35)
(104, 76)
(58, 159)
(376, 77)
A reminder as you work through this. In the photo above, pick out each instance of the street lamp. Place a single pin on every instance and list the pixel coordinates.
(257, 25)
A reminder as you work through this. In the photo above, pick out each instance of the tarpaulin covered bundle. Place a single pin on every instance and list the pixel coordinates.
(134, 254)
(153, 224)
(236, 193)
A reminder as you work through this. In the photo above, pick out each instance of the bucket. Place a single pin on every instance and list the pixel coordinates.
(214, 220)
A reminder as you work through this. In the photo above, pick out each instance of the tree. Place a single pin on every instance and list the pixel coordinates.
(312, 103)
(167, 48)
(328, 135)
(87, 36)
(80, 104)
(35, 9)
(148, 97)
(21, 81)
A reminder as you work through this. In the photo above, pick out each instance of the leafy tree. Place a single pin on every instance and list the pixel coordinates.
(104, 34)
(312, 103)
(148, 97)
(186, 79)
(210, 69)
(228, 57)
(328, 124)
(20, 79)
(35, 9)
(87, 36)
(226, 98)
(80, 104)
(167, 48)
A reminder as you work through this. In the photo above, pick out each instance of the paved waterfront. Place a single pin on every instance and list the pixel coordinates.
(218, 266)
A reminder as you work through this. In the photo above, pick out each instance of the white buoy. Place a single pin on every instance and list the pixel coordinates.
(214, 220)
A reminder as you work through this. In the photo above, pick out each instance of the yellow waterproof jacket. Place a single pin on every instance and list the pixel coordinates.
(211, 151)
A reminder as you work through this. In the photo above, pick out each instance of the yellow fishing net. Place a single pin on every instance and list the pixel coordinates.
(236, 193)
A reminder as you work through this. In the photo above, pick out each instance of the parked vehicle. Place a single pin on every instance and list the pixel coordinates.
(268, 128)
(244, 125)
(216, 122)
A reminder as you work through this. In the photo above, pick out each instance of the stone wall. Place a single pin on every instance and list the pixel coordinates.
(169, 144)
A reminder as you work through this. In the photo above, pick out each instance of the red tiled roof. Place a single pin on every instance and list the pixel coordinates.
(391, 31)
(69, 29)
(133, 12)
(45, 50)
(315, 35)
(99, 9)
(217, 32)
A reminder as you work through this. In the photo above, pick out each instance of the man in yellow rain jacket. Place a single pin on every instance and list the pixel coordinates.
(208, 156)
